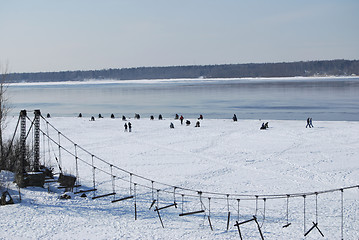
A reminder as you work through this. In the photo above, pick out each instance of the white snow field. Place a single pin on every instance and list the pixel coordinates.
(280, 165)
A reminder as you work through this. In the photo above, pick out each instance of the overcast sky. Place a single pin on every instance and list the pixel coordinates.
(51, 35)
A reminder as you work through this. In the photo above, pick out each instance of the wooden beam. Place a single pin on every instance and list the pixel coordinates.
(190, 213)
(121, 199)
(171, 205)
(105, 195)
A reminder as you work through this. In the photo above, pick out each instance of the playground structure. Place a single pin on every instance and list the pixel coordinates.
(122, 185)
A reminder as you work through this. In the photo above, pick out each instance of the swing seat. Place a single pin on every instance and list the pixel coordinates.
(122, 199)
(191, 213)
(105, 195)
(171, 205)
(287, 225)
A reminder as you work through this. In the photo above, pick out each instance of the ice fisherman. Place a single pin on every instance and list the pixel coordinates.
(181, 119)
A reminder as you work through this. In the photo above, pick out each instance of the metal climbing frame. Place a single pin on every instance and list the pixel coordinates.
(37, 140)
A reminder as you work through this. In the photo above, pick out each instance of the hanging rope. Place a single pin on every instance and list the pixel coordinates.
(342, 214)
(304, 211)
(113, 181)
(316, 207)
(182, 203)
(238, 200)
(93, 176)
(44, 151)
(77, 167)
(229, 213)
(264, 211)
(209, 213)
(287, 213)
(48, 140)
(174, 196)
(134, 189)
(130, 184)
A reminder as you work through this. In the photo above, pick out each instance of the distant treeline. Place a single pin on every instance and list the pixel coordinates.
(291, 69)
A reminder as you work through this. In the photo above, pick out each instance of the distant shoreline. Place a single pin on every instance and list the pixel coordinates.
(177, 80)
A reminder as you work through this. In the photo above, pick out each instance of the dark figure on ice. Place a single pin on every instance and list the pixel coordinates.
(308, 123)
(200, 117)
(172, 126)
(234, 118)
(266, 125)
(112, 116)
(160, 117)
(92, 118)
(197, 124)
(188, 122)
(123, 118)
(99, 115)
(125, 127)
(80, 115)
(176, 117)
(137, 116)
(181, 119)
(48, 115)
(151, 118)
(129, 127)
(263, 127)
(311, 122)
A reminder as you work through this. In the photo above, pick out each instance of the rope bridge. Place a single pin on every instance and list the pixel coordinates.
(188, 201)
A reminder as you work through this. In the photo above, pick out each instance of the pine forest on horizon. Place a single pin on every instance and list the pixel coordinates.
(250, 70)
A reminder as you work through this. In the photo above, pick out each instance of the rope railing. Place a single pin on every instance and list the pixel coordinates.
(180, 190)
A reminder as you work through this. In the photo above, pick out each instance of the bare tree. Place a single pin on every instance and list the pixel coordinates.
(4, 109)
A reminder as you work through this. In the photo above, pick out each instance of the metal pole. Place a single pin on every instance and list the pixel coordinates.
(21, 169)
(37, 140)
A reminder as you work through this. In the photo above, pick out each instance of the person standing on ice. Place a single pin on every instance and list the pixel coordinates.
(129, 127)
(181, 118)
(234, 118)
(308, 123)
(311, 122)
(125, 127)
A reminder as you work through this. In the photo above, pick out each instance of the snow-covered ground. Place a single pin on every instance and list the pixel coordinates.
(222, 156)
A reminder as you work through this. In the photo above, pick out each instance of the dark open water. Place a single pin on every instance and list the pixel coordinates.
(293, 99)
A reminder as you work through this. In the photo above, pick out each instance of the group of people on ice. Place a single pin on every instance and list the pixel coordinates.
(128, 126)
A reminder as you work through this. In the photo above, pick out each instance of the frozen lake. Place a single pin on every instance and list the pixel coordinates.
(275, 98)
